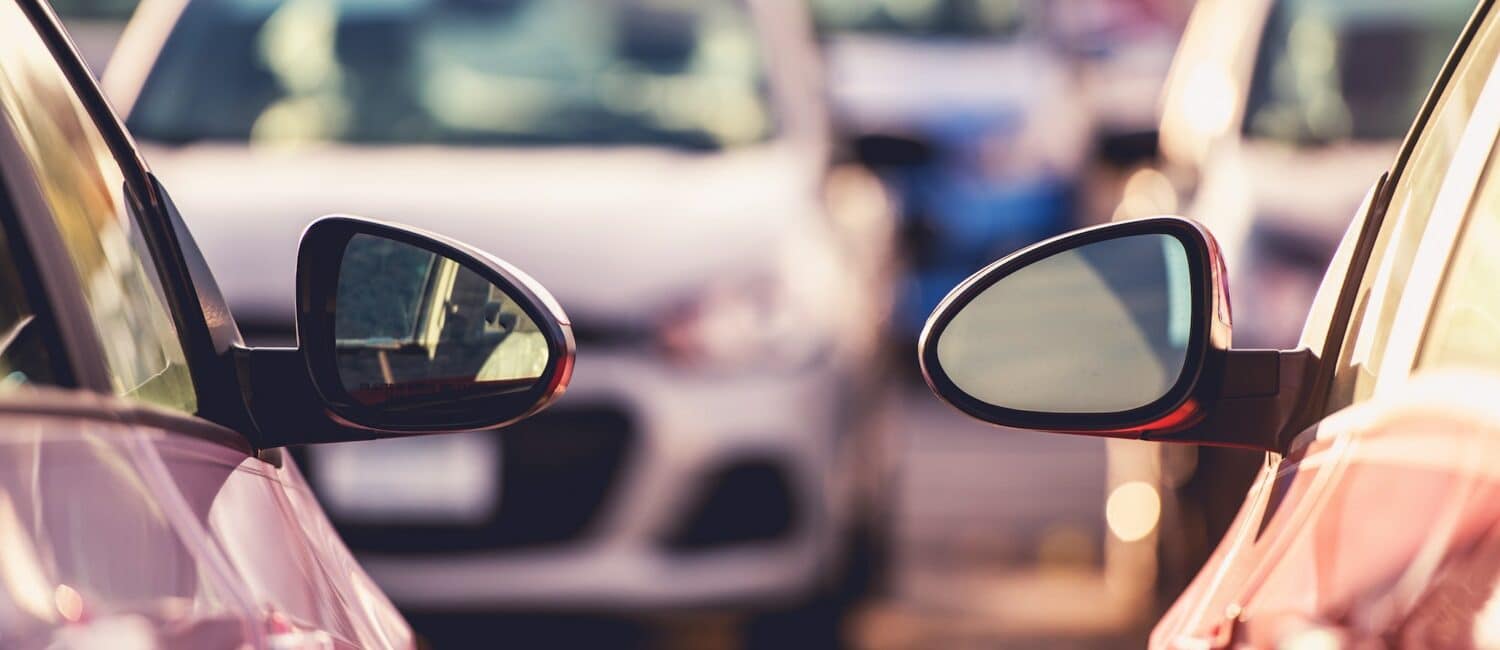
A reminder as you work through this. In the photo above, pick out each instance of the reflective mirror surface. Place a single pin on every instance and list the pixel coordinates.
(413, 328)
(1102, 328)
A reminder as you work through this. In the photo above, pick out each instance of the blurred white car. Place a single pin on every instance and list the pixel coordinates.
(1277, 117)
(1121, 51)
(665, 168)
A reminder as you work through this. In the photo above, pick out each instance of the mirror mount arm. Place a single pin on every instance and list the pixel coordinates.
(283, 402)
(1259, 393)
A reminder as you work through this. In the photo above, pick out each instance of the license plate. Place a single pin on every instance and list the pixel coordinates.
(446, 479)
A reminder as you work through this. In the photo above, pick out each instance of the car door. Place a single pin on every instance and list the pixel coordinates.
(1384, 277)
(116, 288)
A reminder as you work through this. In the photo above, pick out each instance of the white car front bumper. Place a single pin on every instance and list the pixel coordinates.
(688, 427)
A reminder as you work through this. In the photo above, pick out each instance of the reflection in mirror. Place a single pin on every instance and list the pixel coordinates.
(412, 327)
(1102, 328)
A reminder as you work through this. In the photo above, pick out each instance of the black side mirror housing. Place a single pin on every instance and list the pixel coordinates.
(1121, 330)
(404, 332)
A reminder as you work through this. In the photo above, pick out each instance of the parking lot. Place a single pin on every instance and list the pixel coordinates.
(985, 559)
(989, 560)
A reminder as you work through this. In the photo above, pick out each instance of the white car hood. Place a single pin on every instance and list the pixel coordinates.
(615, 235)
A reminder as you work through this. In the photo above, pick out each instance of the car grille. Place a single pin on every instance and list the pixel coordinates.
(748, 502)
(557, 470)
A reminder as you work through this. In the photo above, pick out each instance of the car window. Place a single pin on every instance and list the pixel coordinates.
(1411, 204)
(26, 356)
(113, 10)
(1328, 70)
(1465, 326)
(977, 19)
(680, 73)
(83, 186)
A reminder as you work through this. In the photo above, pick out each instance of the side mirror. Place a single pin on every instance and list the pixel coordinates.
(403, 332)
(1121, 330)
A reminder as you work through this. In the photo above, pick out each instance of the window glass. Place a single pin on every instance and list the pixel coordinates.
(1465, 326)
(1405, 220)
(942, 18)
(114, 10)
(1329, 70)
(84, 188)
(24, 354)
(680, 73)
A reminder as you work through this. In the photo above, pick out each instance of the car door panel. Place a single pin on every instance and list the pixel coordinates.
(300, 579)
(1315, 558)
(376, 621)
(104, 519)
(93, 538)
(236, 500)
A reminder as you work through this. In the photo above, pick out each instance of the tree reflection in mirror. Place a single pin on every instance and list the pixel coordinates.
(1102, 328)
(411, 325)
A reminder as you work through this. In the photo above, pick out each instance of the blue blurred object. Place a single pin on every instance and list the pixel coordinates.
(984, 128)
(959, 214)
(955, 225)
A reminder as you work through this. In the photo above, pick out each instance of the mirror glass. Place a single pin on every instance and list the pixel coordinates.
(1101, 328)
(412, 327)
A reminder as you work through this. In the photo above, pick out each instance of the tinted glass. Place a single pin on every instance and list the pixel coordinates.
(1102, 328)
(114, 10)
(980, 18)
(25, 353)
(663, 72)
(410, 324)
(1333, 70)
(1386, 274)
(84, 189)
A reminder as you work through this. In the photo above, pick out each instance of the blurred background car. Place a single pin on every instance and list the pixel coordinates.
(1121, 50)
(1273, 134)
(664, 166)
(1276, 119)
(972, 114)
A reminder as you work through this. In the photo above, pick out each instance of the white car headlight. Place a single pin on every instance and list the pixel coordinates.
(783, 319)
(739, 324)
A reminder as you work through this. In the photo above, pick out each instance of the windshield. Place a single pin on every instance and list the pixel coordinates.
(1331, 70)
(94, 9)
(962, 18)
(682, 73)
